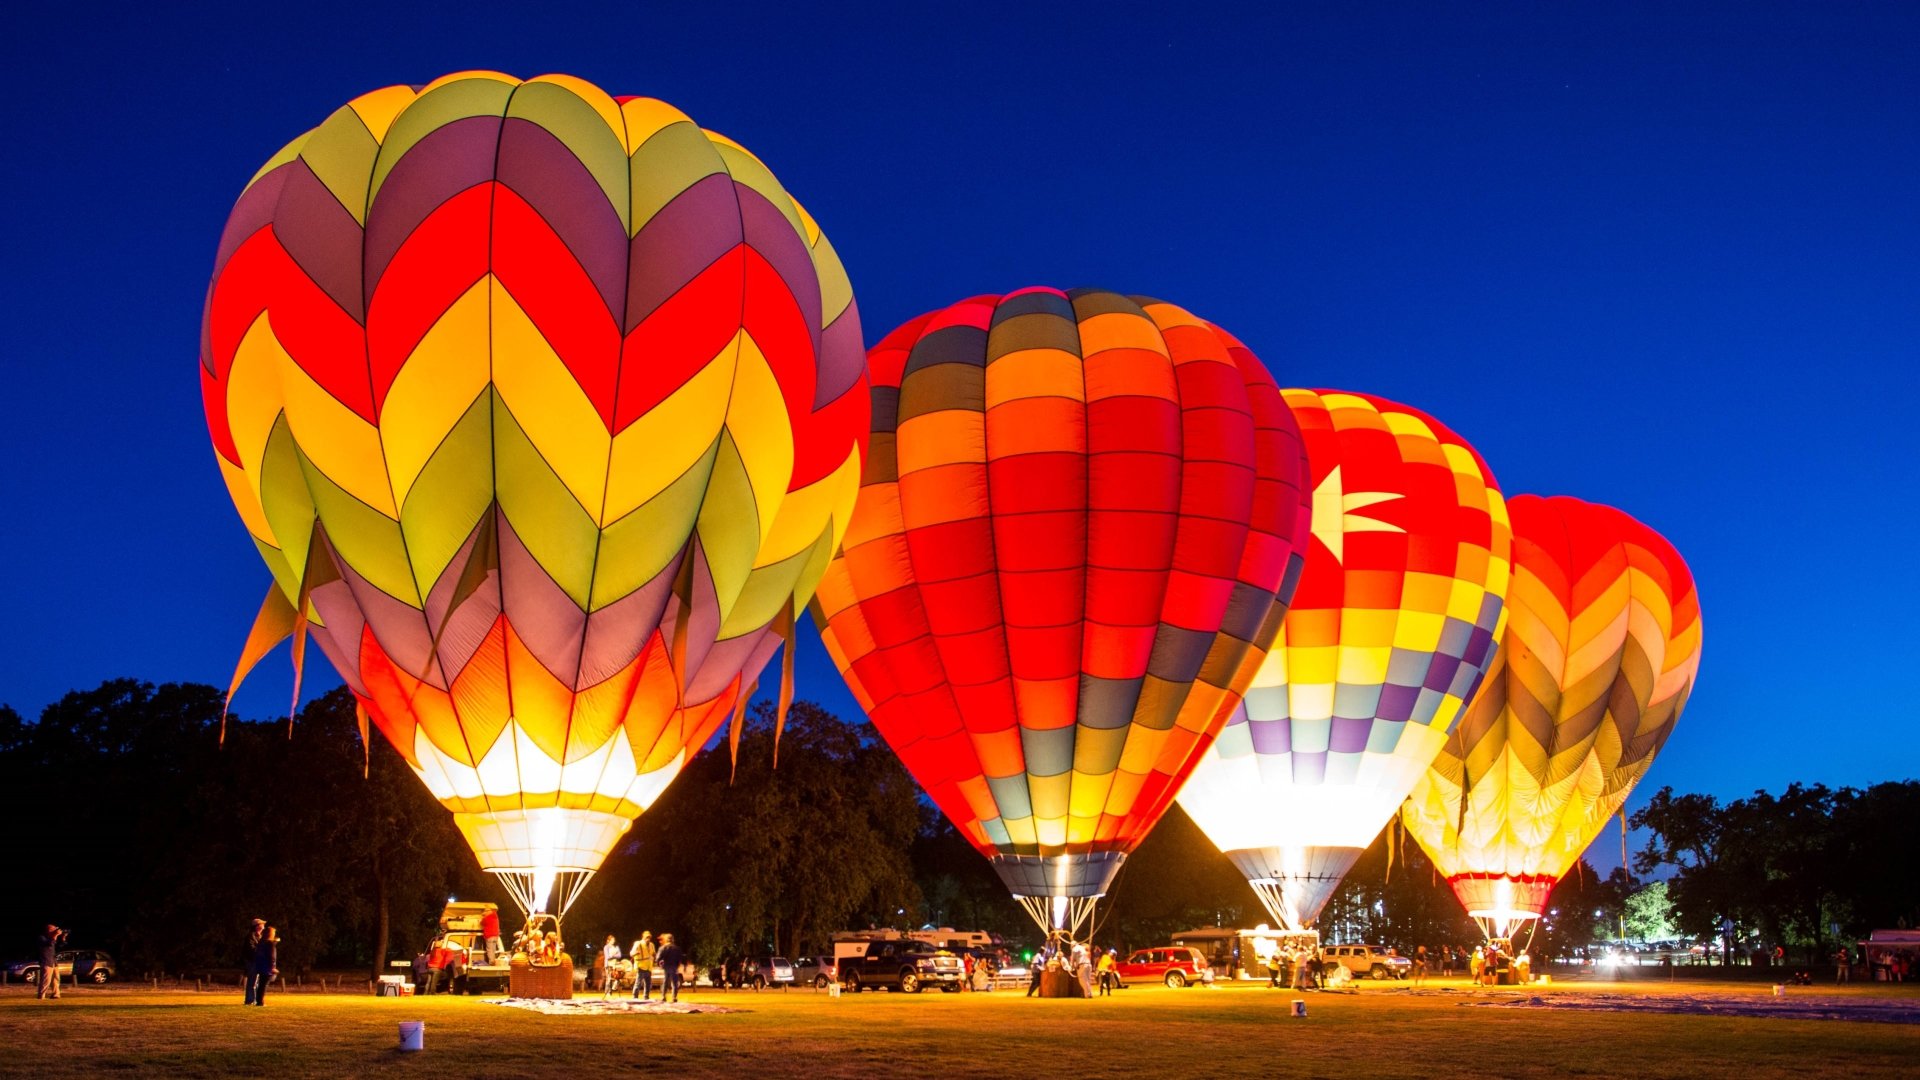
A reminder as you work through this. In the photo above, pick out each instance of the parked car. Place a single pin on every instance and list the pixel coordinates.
(1175, 965)
(770, 971)
(1372, 961)
(815, 971)
(79, 965)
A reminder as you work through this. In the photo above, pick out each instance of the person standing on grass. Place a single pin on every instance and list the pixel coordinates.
(1107, 974)
(50, 939)
(1419, 965)
(251, 952)
(671, 957)
(609, 968)
(266, 965)
(643, 960)
(1843, 965)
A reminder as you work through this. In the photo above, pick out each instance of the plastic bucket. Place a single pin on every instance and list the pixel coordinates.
(413, 1034)
(1779, 990)
(1299, 1011)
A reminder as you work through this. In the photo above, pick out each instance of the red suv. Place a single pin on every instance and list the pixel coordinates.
(1175, 965)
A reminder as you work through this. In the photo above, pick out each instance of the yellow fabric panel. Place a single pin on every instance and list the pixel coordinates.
(600, 101)
(639, 546)
(645, 116)
(1418, 631)
(246, 500)
(377, 109)
(1312, 665)
(549, 405)
(336, 439)
(435, 387)
(253, 396)
(757, 420)
(879, 516)
(749, 170)
(1367, 628)
(729, 527)
(656, 450)
(806, 513)
(1402, 423)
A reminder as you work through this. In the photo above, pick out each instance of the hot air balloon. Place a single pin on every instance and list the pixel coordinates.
(1077, 523)
(545, 409)
(1393, 624)
(1601, 647)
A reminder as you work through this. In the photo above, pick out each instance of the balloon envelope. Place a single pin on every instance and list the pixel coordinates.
(545, 409)
(1079, 511)
(1389, 632)
(1601, 647)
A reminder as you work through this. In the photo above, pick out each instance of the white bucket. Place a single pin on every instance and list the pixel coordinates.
(833, 989)
(1545, 980)
(1299, 1008)
(413, 1034)
(1779, 990)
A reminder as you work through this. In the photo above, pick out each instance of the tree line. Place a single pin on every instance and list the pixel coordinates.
(146, 835)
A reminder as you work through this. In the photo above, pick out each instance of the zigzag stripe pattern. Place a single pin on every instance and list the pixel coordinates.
(549, 406)
(1598, 659)
(1081, 519)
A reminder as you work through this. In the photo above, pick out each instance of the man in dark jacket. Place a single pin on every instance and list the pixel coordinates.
(50, 939)
(670, 959)
(252, 983)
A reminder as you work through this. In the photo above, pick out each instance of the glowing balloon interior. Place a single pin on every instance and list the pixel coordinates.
(545, 409)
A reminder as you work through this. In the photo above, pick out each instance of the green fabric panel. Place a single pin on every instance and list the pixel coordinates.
(640, 546)
(581, 128)
(729, 525)
(451, 493)
(817, 562)
(836, 290)
(548, 519)
(363, 538)
(747, 170)
(672, 160)
(341, 153)
(285, 500)
(283, 575)
(432, 110)
(286, 153)
(768, 588)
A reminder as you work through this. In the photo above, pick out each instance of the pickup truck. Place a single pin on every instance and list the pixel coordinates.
(905, 966)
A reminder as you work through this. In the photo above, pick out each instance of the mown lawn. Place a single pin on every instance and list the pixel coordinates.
(1380, 1031)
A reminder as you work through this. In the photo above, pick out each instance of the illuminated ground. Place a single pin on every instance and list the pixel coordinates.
(1382, 1030)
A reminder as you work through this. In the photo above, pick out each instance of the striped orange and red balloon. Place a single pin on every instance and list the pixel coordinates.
(1081, 516)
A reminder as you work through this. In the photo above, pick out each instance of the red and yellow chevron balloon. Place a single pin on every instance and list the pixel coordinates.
(1601, 648)
(546, 410)
(1074, 537)
(1393, 625)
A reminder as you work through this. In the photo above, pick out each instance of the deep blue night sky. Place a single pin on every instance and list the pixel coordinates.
(1661, 256)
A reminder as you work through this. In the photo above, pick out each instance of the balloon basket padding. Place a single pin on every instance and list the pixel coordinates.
(551, 982)
(1060, 983)
(413, 1035)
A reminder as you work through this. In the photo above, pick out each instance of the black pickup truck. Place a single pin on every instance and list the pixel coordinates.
(906, 966)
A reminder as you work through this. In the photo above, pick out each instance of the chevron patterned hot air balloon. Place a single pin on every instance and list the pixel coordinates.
(546, 410)
(1079, 524)
(1394, 622)
(1601, 648)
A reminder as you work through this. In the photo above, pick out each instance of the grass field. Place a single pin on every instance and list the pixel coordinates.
(1378, 1031)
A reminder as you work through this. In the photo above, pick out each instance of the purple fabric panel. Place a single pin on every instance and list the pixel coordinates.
(1272, 736)
(1440, 675)
(1309, 769)
(1396, 702)
(449, 161)
(252, 213)
(770, 233)
(340, 637)
(842, 356)
(322, 237)
(688, 235)
(616, 633)
(743, 656)
(546, 619)
(540, 169)
(400, 628)
(1349, 735)
(467, 630)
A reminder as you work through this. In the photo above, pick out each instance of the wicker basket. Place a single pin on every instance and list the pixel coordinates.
(551, 981)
